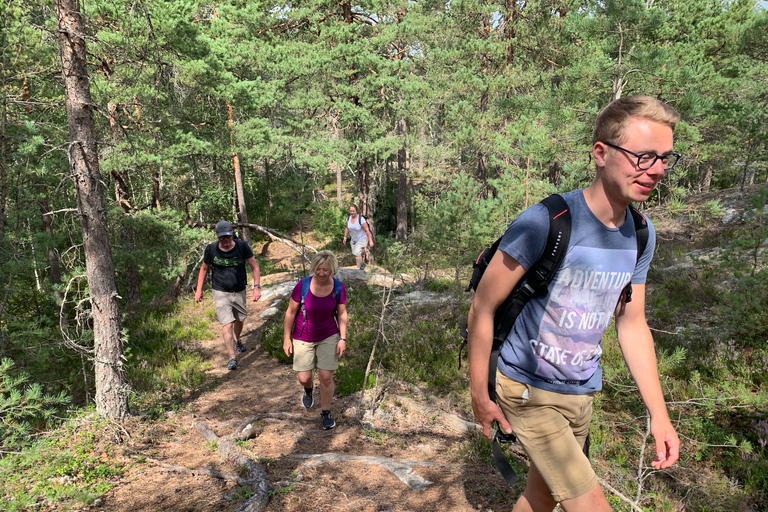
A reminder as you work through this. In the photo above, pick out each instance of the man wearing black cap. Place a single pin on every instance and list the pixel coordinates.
(228, 257)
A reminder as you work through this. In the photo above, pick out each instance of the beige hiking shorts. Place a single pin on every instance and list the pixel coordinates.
(304, 353)
(357, 247)
(230, 306)
(552, 427)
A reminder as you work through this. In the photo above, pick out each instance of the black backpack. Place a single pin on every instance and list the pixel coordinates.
(537, 281)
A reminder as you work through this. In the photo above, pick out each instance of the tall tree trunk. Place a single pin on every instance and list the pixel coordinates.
(411, 205)
(53, 255)
(111, 386)
(123, 198)
(364, 185)
(509, 31)
(3, 146)
(335, 165)
(238, 176)
(268, 186)
(401, 233)
(706, 180)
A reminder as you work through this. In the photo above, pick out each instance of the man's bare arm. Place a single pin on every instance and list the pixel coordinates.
(639, 353)
(498, 281)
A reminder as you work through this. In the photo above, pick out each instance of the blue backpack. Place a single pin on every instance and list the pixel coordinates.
(305, 291)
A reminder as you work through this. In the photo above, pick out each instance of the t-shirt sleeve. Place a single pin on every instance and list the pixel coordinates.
(526, 236)
(343, 297)
(641, 269)
(208, 254)
(362, 221)
(247, 251)
(296, 293)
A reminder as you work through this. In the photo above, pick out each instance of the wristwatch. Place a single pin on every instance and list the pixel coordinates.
(257, 286)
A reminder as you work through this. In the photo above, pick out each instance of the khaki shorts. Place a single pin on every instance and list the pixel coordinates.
(230, 306)
(552, 427)
(357, 247)
(304, 353)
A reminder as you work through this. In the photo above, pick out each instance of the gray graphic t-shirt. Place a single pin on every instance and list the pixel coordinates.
(555, 343)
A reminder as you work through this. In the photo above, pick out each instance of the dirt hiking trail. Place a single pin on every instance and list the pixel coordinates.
(415, 459)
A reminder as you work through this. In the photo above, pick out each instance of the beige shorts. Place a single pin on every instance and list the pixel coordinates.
(357, 247)
(304, 353)
(552, 427)
(230, 306)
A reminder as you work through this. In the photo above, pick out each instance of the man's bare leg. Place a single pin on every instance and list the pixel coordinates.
(537, 498)
(229, 339)
(238, 328)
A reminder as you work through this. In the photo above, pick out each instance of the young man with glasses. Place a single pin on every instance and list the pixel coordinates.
(549, 366)
(227, 258)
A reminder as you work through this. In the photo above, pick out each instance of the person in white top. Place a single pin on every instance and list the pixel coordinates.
(359, 232)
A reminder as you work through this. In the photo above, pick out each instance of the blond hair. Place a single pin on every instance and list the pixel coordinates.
(324, 257)
(611, 121)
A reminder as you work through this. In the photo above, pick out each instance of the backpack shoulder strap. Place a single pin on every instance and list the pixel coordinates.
(337, 290)
(641, 236)
(543, 271)
(641, 230)
(305, 289)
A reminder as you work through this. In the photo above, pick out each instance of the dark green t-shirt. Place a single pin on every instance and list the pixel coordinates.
(228, 267)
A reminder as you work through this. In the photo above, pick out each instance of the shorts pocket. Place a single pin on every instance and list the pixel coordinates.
(511, 391)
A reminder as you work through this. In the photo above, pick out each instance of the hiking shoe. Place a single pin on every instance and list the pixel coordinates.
(232, 364)
(328, 422)
(239, 346)
(307, 400)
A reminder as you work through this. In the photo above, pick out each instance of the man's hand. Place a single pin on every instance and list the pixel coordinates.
(667, 443)
(341, 346)
(288, 347)
(256, 294)
(486, 412)
(199, 295)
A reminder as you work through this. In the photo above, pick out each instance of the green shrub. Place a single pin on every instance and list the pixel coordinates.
(24, 407)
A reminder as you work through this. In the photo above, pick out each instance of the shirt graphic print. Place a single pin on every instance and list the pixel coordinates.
(581, 304)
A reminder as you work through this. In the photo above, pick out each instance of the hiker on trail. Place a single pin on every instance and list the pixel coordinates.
(357, 228)
(227, 258)
(549, 367)
(316, 319)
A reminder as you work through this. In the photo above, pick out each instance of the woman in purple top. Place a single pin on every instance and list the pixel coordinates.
(317, 329)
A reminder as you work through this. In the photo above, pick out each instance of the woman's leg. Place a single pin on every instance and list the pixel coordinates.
(305, 378)
(326, 389)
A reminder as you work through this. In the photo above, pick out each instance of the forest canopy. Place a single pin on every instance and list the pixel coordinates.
(442, 120)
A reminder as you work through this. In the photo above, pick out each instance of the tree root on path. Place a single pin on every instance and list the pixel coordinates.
(401, 468)
(255, 478)
(229, 477)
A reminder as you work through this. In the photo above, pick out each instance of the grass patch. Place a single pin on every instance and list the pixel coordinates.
(71, 467)
(165, 358)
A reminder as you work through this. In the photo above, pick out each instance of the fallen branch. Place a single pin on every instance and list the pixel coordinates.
(273, 234)
(255, 477)
(401, 468)
(619, 495)
(275, 416)
(229, 477)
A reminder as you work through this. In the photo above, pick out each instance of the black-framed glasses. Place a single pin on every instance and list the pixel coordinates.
(646, 160)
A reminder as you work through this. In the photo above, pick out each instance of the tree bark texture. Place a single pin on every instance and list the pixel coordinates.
(238, 175)
(111, 387)
(411, 205)
(401, 232)
(364, 185)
